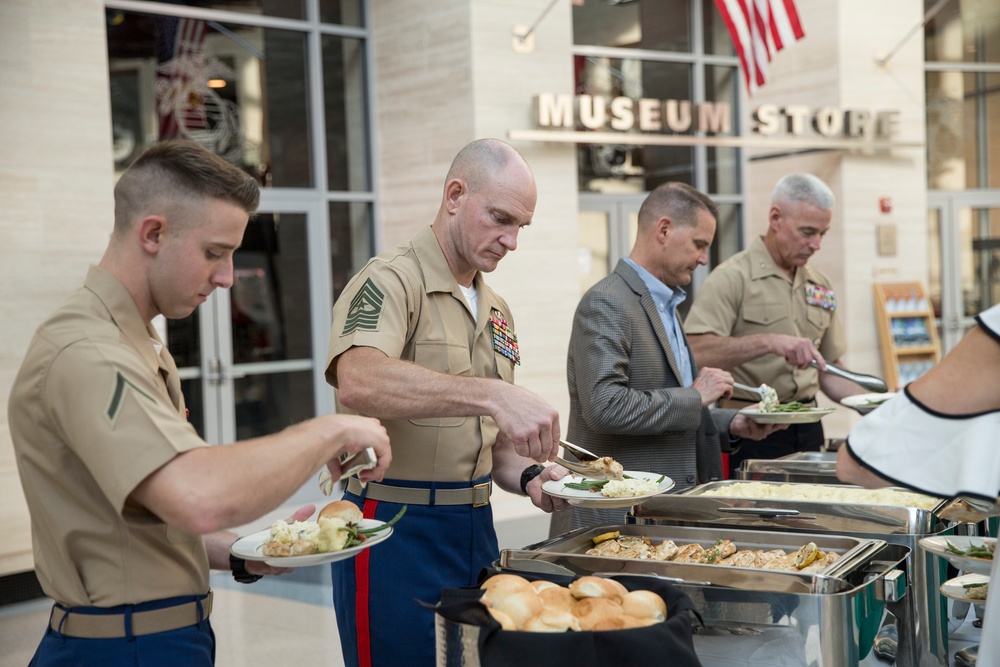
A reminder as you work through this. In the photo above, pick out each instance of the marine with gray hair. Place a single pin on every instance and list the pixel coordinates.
(765, 315)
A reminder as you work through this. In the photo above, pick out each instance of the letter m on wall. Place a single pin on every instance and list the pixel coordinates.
(554, 110)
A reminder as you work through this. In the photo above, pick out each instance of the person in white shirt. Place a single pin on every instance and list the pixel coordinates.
(939, 436)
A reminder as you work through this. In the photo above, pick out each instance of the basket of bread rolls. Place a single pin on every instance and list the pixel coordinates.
(552, 620)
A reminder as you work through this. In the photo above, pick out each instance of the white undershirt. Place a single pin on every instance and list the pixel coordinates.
(471, 298)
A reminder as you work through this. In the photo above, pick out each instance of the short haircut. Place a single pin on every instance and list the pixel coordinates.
(803, 188)
(171, 174)
(479, 161)
(678, 201)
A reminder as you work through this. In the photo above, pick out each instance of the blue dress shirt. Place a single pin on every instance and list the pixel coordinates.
(667, 300)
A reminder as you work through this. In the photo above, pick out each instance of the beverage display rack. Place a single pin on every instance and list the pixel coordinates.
(907, 335)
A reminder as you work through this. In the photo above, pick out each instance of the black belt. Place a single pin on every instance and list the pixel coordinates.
(113, 626)
(477, 496)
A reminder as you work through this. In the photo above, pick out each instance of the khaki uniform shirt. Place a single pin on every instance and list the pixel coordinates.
(406, 303)
(749, 294)
(93, 411)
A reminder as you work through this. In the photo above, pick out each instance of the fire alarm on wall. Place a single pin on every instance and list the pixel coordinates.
(885, 204)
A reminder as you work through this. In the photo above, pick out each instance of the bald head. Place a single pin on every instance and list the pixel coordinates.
(481, 160)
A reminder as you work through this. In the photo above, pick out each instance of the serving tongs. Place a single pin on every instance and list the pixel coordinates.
(580, 468)
(967, 509)
(350, 464)
(869, 382)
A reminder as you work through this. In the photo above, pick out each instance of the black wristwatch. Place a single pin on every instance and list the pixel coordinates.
(240, 574)
(530, 473)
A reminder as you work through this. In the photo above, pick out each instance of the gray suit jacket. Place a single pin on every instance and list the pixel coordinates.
(626, 398)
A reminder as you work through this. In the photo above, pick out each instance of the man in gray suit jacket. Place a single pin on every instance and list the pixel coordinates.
(635, 393)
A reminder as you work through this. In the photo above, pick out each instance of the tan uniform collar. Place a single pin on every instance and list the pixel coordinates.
(124, 313)
(762, 265)
(437, 274)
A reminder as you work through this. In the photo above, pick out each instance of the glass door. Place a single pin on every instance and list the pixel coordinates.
(607, 233)
(247, 357)
(965, 259)
(608, 227)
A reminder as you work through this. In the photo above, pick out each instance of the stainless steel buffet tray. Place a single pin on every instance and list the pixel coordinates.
(808, 467)
(902, 526)
(822, 619)
(571, 558)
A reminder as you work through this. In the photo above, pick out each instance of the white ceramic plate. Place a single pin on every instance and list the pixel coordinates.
(938, 544)
(248, 548)
(557, 489)
(801, 417)
(862, 402)
(956, 588)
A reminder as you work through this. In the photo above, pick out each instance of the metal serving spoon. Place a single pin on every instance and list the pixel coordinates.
(869, 382)
(753, 390)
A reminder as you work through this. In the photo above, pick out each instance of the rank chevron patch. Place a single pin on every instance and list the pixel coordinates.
(122, 384)
(365, 310)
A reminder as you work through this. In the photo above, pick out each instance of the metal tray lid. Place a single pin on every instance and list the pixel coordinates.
(844, 518)
(807, 457)
(788, 465)
(566, 554)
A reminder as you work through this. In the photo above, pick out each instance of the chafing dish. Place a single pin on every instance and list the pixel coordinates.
(902, 526)
(807, 467)
(761, 617)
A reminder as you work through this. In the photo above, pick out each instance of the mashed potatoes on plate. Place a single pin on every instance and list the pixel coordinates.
(629, 487)
(302, 538)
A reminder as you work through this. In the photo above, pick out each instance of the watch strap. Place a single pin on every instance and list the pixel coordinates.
(528, 474)
(240, 573)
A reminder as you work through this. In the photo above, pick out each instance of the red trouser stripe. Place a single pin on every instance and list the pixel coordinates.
(361, 600)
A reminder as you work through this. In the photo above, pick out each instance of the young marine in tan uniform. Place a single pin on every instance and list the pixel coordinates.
(765, 315)
(128, 504)
(422, 342)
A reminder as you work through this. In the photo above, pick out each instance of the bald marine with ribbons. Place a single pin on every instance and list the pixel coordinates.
(421, 342)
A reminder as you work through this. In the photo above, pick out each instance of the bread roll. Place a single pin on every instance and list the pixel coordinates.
(557, 597)
(591, 611)
(342, 509)
(644, 605)
(501, 585)
(505, 621)
(618, 623)
(597, 587)
(513, 595)
(552, 620)
(542, 584)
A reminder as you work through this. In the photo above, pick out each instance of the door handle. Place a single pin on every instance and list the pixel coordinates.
(218, 372)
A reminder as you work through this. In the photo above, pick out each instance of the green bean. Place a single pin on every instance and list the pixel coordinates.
(973, 550)
(792, 406)
(876, 401)
(586, 485)
(359, 535)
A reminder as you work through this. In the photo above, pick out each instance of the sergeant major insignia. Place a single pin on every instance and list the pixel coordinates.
(365, 310)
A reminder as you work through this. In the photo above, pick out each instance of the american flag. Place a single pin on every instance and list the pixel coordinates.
(759, 29)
